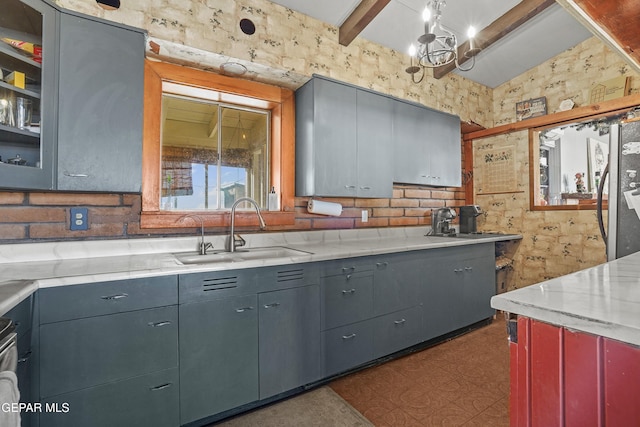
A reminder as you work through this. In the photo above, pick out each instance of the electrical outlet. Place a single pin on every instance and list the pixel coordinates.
(365, 216)
(79, 219)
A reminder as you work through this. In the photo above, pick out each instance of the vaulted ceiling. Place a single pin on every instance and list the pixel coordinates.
(515, 35)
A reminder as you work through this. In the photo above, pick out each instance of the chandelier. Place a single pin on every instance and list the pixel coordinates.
(437, 46)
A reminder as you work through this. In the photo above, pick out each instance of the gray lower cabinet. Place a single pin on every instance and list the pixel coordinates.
(289, 339)
(108, 353)
(459, 288)
(22, 318)
(398, 281)
(346, 347)
(148, 400)
(397, 331)
(218, 356)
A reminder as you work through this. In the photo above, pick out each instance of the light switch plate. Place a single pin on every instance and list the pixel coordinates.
(365, 216)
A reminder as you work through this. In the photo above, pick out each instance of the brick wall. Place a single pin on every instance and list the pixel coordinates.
(39, 216)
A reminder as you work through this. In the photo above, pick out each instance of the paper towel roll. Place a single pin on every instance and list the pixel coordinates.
(324, 208)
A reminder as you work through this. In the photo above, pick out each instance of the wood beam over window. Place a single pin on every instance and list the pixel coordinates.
(497, 30)
(359, 19)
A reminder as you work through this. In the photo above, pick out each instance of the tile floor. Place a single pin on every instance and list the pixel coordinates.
(461, 382)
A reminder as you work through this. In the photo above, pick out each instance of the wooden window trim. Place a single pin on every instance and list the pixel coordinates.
(279, 100)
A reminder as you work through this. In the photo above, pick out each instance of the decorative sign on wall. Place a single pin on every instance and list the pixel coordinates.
(499, 171)
(531, 108)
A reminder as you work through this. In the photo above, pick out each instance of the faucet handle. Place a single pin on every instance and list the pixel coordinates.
(238, 241)
(204, 247)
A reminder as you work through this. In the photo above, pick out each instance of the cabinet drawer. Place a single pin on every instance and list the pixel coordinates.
(346, 299)
(148, 400)
(86, 352)
(216, 285)
(347, 347)
(96, 299)
(346, 266)
(397, 331)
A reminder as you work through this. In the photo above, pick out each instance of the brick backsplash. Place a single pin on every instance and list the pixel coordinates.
(44, 216)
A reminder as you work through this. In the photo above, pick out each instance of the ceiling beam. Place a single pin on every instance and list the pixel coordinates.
(514, 18)
(359, 19)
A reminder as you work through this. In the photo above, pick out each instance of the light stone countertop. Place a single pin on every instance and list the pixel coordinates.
(602, 300)
(27, 267)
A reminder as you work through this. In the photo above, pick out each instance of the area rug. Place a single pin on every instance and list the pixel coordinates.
(319, 407)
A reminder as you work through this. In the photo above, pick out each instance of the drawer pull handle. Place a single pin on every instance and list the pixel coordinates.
(160, 387)
(457, 270)
(273, 304)
(365, 188)
(348, 276)
(349, 186)
(382, 264)
(468, 268)
(24, 358)
(348, 291)
(115, 297)
(348, 337)
(243, 309)
(159, 324)
(399, 322)
(345, 269)
(76, 175)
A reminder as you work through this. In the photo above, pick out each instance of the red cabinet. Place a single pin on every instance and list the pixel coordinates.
(561, 377)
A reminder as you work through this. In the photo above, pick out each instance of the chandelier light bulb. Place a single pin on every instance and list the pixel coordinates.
(412, 50)
(471, 32)
(426, 14)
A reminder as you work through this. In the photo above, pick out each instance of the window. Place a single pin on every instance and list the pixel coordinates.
(211, 139)
(212, 154)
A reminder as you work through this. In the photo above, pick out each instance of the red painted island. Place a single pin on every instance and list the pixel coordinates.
(575, 348)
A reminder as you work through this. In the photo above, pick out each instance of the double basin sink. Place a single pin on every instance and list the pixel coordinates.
(240, 255)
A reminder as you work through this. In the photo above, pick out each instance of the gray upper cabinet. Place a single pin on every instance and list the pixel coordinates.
(100, 106)
(427, 146)
(343, 141)
(28, 153)
(86, 95)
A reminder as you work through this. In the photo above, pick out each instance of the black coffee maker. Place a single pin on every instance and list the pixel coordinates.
(468, 216)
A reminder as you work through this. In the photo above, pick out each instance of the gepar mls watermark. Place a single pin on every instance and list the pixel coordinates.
(25, 407)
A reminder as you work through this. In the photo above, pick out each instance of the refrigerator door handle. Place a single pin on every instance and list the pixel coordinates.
(603, 233)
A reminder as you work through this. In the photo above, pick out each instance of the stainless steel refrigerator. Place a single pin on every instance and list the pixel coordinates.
(622, 235)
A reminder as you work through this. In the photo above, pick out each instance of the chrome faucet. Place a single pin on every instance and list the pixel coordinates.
(234, 241)
(203, 246)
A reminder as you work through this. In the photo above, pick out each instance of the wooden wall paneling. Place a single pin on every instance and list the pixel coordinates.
(622, 384)
(582, 365)
(546, 375)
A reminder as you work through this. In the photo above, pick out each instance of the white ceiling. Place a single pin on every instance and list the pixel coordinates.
(399, 24)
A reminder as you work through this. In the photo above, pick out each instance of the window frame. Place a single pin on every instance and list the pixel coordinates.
(243, 93)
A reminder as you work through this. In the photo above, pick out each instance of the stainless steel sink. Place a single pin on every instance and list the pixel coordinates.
(239, 255)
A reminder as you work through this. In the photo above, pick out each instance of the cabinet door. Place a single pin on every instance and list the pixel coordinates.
(218, 356)
(148, 400)
(459, 289)
(289, 339)
(82, 353)
(335, 139)
(397, 282)
(374, 145)
(445, 150)
(100, 106)
(411, 156)
(326, 139)
(32, 21)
